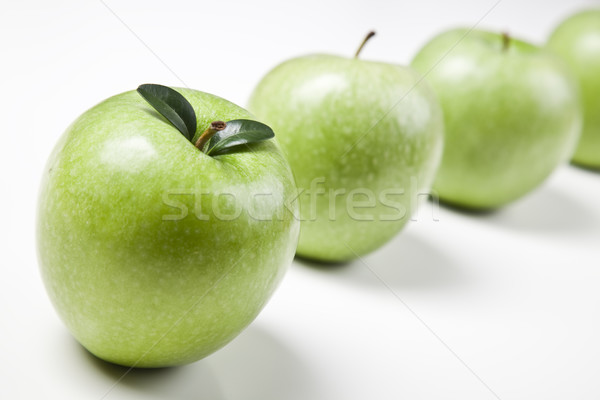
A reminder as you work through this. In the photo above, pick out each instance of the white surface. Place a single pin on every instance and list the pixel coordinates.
(509, 300)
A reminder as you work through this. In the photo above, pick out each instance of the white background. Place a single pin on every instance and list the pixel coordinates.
(503, 305)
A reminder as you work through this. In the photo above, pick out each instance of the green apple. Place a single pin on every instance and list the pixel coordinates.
(577, 40)
(153, 252)
(511, 113)
(363, 139)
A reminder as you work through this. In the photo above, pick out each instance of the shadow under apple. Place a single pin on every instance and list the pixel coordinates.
(586, 168)
(408, 262)
(546, 211)
(255, 365)
(260, 366)
(179, 383)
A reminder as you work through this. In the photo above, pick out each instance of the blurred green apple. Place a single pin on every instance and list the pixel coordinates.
(153, 252)
(511, 112)
(363, 139)
(577, 40)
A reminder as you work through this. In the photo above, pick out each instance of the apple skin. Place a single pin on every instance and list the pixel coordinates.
(135, 284)
(577, 41)
(512, 115)
(352, 125)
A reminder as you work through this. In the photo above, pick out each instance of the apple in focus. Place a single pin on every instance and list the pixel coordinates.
(364, 140)
(577, 41)
(154, 253)
(511, 112)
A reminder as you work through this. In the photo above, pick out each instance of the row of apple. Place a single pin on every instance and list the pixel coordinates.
(511, 112)
(166, 218)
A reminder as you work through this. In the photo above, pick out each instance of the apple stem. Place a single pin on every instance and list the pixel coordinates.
(214, 127)
(365, 40)
(505, 41)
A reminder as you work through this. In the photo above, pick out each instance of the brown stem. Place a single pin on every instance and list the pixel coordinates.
(365, 40)
(214, 127)
(505, 41)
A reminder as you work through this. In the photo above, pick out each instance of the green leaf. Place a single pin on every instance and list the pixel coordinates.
(171, 105)
(237, 132)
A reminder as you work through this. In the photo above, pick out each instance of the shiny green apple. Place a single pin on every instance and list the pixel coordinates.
(577, 40)
(363, 139)
(511, 112)
(153, 252)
